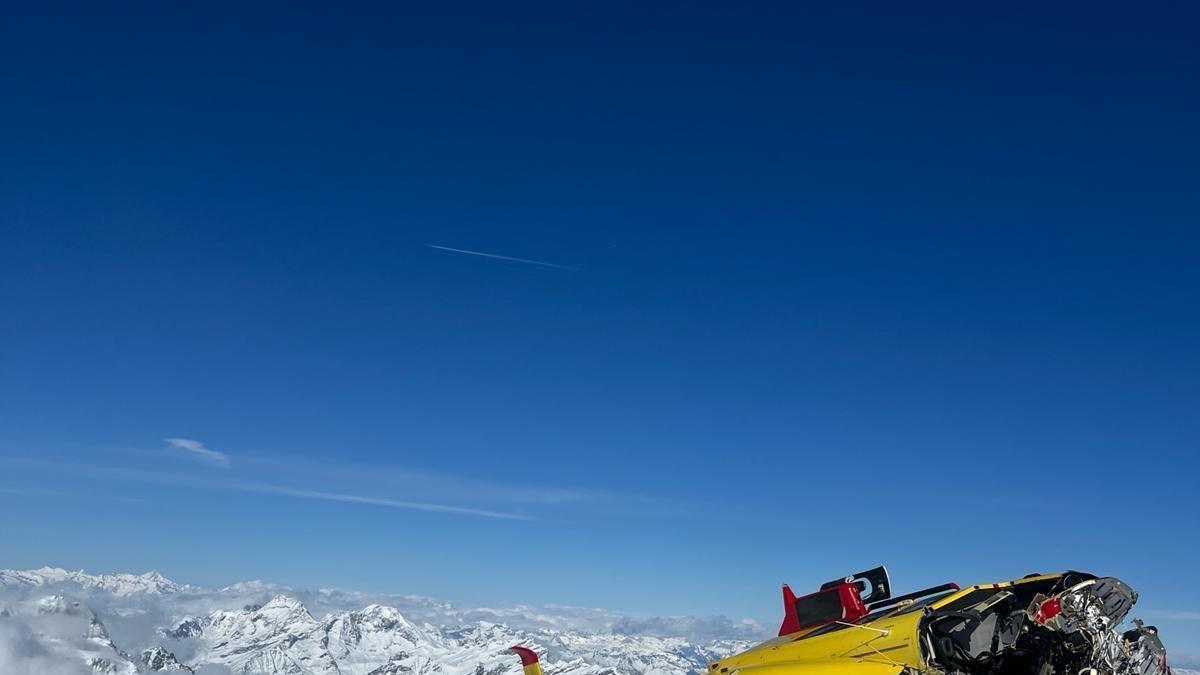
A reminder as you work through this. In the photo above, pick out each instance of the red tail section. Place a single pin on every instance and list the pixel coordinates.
(528, 656)
(791, 622)
(835, 603)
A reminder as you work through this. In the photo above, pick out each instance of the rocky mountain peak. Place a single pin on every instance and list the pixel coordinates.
(159, 660)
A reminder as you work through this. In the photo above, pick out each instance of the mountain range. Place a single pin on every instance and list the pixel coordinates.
(60, 622)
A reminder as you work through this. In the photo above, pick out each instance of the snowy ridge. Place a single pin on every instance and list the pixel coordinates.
(255, 628)
(120, 585)
(283, 637)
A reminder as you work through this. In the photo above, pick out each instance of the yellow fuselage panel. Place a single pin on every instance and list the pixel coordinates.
(862, 644)
(829, 667)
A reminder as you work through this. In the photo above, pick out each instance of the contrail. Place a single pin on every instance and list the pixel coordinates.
(502, 257)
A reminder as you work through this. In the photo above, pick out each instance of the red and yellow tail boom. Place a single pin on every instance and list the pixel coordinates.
(529, 660)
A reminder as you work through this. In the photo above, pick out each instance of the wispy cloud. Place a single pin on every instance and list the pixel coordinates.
(495, 256)
(197, 450)
(416, 485)
(1172, 614)
(387, 486)
(377, 501)
(545, 499)
(209, 482)
(59, 494)
(25, 492)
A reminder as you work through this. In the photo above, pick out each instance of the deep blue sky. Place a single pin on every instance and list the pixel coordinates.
(833, 289)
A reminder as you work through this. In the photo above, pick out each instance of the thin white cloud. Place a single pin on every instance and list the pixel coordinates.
(503, 257)
(431, 492)
(1172, 614)
(57, 494)
(30, 493)
(209, 482)
(197, 450)
(415, 484)
(377, 501)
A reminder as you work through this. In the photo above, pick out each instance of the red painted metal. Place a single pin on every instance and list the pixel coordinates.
(528, 656)
(848, 597)
(791, 623)
(1048, 610)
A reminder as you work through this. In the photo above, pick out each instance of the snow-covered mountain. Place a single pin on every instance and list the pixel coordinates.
(53, 621)
(120, 585)
(53, 634)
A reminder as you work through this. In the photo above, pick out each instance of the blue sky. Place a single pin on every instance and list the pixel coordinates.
(822, 289)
